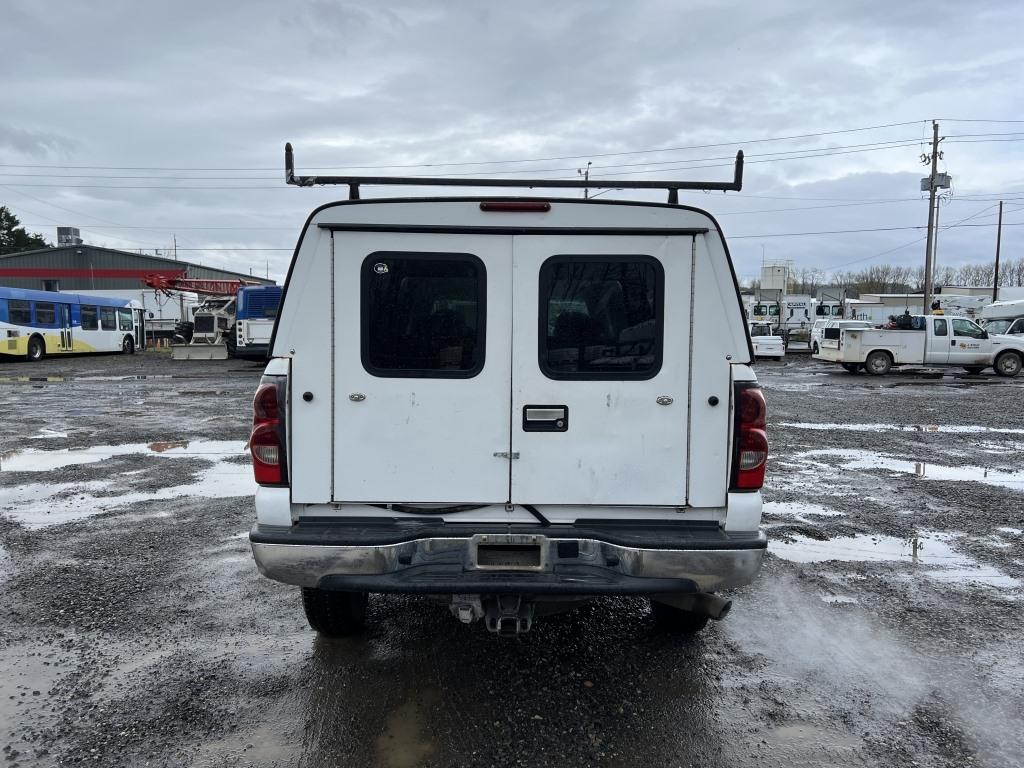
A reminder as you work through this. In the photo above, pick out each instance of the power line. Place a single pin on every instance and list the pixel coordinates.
(493, 162)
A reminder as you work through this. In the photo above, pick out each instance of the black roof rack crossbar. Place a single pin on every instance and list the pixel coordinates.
(354, 182)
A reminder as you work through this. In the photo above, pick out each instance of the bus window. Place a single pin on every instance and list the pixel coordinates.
(90, 319)
(124, 319)
(19, 312)
(108, 319)
(46, 313)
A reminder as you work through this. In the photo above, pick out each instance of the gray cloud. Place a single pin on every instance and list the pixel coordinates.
(224, 85)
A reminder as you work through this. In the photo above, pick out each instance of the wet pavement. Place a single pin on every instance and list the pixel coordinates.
(885, 629)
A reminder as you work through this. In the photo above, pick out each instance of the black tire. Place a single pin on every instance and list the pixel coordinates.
(1009, 364)
(851, 367)
(128, 345)
(814, 348)
(974, 370)
(36, 349)
(677, 621)
(878, 363)
(335, 614)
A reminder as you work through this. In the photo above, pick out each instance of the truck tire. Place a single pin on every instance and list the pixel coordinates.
(974, 370)
(335, 614)
(878, 363)
(36, 349)
(128, 345)
(814, 348)
(1009, 364)
(677, 621)
(851, 367)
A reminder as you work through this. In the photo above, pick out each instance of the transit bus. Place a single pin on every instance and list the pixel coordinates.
(34, 324)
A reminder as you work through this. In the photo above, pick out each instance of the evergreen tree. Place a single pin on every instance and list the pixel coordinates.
(14, 238)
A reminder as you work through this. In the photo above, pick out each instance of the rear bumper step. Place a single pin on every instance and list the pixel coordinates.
(564, 559)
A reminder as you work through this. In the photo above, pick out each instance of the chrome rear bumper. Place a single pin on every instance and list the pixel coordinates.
(542, 562)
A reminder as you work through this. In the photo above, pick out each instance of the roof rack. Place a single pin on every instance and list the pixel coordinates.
(354, 182)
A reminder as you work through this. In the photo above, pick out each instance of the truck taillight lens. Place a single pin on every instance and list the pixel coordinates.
(750, 441)
(267, 441)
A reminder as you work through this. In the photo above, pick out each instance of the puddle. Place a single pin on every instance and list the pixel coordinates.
(37, 460)
(945, 428)
(1011, 531)
(405, 742)
(858, 459)
(40, 505)
(48, 434)
(798, 510)
(840, 599)
(934, 551)
(5, 564)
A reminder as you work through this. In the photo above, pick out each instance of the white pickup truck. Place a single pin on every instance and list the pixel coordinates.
(517, 404)
(926, 340)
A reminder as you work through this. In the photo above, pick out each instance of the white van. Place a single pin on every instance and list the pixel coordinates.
(517, 404)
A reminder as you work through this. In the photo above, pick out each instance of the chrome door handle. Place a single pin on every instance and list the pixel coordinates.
(545, 418)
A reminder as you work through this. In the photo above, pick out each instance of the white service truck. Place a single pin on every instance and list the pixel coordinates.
(925, 340)
(517, 404)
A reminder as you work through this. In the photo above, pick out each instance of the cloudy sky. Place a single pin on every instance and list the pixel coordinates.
(142, 122)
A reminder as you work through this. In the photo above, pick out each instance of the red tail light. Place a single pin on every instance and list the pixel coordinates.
(750, 441)
(267, 441)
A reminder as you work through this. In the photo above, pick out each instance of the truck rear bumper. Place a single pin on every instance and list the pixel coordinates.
(437, 558)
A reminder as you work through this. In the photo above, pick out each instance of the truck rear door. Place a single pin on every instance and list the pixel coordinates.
(600, 363)
(422, 334)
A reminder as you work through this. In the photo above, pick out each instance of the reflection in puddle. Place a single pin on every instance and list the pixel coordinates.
(858, 459)
(36, 460)
(931, 549)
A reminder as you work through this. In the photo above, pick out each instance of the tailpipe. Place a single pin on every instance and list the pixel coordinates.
(700, 603)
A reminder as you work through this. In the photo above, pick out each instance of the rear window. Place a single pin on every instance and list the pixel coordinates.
(601, 317)
(423, 314)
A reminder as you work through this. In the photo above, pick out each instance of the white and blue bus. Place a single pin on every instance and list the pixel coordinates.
(34, 324)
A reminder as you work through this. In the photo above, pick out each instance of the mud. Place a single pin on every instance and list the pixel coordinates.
(885, 628)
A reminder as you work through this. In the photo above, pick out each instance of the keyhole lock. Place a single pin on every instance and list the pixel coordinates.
(713, 400)
(307, 396)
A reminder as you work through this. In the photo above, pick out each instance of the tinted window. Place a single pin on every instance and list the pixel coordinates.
(966, 328)
(108, 319)
(46, 314)
(90, 318)
(940, 328)
(124, 319)
(423, 314)
(19, 312)
(601, 317)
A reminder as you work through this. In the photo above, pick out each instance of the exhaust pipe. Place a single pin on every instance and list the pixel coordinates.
(701, 603)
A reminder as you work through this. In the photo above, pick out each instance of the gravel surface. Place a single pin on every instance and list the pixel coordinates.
(134, 629)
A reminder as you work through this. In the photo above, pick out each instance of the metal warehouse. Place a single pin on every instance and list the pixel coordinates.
(92, 268)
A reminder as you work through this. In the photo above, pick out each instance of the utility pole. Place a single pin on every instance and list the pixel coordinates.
(931, 219)
(999, 240)
(586, 177)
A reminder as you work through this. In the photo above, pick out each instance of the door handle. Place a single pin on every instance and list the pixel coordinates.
(545, 418)
(952, 342)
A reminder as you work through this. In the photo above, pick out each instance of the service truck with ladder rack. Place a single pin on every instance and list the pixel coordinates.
(516, 404)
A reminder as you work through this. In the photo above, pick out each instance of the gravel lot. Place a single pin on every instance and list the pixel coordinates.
(134, 629)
